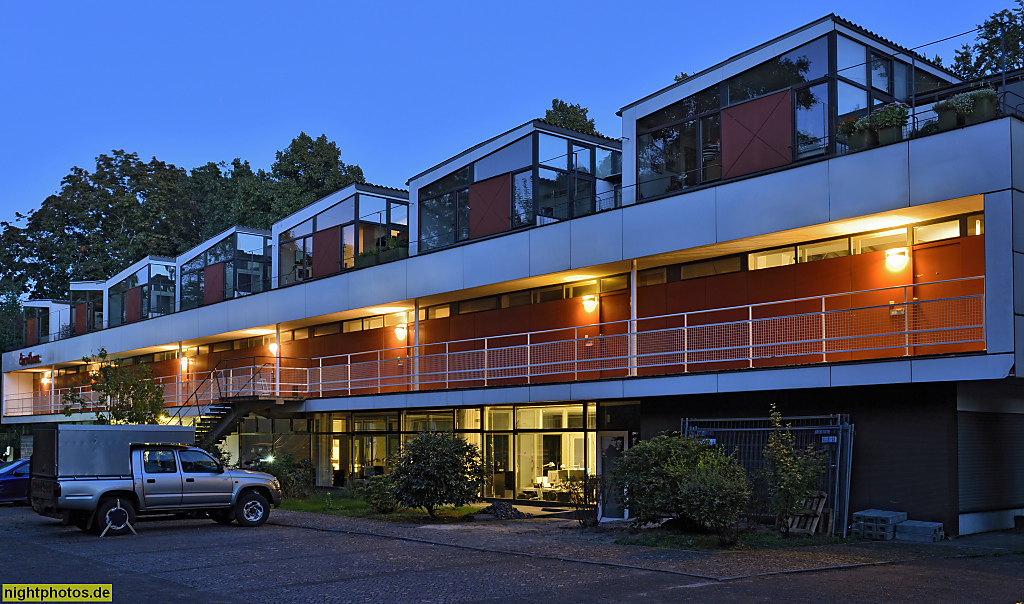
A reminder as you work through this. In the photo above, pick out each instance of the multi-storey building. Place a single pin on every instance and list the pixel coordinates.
(552, 295)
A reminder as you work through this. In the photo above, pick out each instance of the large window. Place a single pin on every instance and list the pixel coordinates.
(237, 265)
(148, 292)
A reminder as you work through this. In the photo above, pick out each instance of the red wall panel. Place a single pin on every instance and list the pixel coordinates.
(213, 283)
(757, 135)
(490, 206)
(133, 304)
(327, 252)
(81, 318)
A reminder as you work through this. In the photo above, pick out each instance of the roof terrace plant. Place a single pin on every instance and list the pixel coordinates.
(894, 115)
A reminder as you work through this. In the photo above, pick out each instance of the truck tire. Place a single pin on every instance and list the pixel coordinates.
(252, 509)
(108, 512)
(80, 520)
(222, 516)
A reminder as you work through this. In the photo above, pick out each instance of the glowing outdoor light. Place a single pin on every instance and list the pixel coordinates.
(589, 303)
(46, 378)
(184, 363)
(401, 330)
(273, 348)
(896, 259)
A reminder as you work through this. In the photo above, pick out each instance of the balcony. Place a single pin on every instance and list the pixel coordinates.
(938, 318)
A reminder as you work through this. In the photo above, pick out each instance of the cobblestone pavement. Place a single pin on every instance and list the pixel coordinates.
(316, 558)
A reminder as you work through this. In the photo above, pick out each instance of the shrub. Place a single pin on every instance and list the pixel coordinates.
(379, 492)
(685, 479)
(586, 496)
(853, 124)
(434, 469)
(297, 478)
(792, 473)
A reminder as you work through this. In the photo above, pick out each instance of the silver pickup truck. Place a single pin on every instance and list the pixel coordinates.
(96, 477)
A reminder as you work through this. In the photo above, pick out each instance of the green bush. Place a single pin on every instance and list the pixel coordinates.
(434, 469)
(792, 473)
(685, 479)
(379, 492)
(297, 478)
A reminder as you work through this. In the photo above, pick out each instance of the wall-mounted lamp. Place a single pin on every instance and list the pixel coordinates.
(401, 331)
(896, 259)
(589, 303)
(184, 361)
(46, 379)
(273, 348)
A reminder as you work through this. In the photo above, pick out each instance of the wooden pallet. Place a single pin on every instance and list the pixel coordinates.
(806, 521)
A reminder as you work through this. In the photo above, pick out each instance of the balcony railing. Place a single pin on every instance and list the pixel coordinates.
(942, 317)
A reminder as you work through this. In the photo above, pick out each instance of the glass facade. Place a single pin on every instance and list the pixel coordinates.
(240, 261)
(552, 178)
(148, 292)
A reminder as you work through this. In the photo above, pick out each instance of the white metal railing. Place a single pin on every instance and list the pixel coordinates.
(906, 320)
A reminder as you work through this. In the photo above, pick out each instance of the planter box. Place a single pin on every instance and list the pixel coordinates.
(984, 110)
(395, 254)
(890, 135)
(862, 139)
(367, 260)
(947, 119)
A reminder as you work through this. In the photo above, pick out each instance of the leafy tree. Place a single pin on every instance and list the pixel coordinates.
(984, 56)
(792, 473)
(682, 76)
(570, 116)
(308, 169)
(11, 319)
(127, 393)
(435, 469)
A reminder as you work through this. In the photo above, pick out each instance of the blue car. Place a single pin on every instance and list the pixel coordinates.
(14, 481)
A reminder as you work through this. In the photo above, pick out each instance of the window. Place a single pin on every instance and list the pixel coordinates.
(522, 199)
(552, 151)
(975, 225)
(197, 462)
(937, 231)
(653, 276)
(881, 73)
(771, 258)
(552, 194)
(823, 250)
(707, 268)
(811, 121)
(667, 159)
(804, 64)
(850, 60)
(158, 461)
(878, 242)
(696, 104)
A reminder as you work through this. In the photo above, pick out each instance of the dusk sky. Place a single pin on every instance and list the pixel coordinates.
(398, 86)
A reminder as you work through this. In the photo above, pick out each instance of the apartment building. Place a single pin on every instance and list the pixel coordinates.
(554, 296)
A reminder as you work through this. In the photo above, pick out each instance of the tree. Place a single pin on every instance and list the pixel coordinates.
(308, 169)
(127, 393)
(11, 319)
(682, 76)
(792, 473)
(984, 56)
(434, 469)
(569, 116)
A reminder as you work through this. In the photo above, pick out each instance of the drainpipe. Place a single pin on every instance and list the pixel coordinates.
(632, 318)
(416, 344)
(277, 360)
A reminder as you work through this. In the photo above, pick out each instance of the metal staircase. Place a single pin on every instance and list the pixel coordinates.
(232, 394)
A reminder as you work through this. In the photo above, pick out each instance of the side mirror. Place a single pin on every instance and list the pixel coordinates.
(220, 468)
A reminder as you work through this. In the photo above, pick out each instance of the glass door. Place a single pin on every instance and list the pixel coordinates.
(611, 445)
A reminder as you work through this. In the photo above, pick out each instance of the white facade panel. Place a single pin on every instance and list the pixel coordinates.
(999, 272)
(1017, 153)
(962, 162)
(982, 367)
(774, 202)
(665, 225)
(499, 259)
(325, 296)
(853, 193)
(549, 249)
(434, 273)
(858, 374)
(543, 393)
(774, 379)
(596, 239)
(605, 389)
(701, 383)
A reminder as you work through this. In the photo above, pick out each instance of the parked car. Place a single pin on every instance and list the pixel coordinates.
(14, 482)
(100, 477)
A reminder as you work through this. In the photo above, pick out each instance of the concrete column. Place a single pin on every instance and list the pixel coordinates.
(277, 360)
(632, 318)
(416, 344)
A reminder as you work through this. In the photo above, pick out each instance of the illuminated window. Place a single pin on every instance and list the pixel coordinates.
(937, 231)
(823, 250)
(771, 258)
(878, 242)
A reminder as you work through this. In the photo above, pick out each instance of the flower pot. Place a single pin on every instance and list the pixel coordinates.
(862, 139)
(892, 134)
(394, 254)
(947, 119)
(366, 260)
(984, 110)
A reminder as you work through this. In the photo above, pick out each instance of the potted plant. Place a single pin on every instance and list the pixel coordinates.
(985, 106)
(952, 111)
(858, 133)
(396, 249)
(367, 257)
(889, 121)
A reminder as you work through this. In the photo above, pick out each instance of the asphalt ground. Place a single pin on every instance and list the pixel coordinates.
(303, 558)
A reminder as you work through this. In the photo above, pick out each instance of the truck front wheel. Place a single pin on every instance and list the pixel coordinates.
(116, 512)
(252, 509)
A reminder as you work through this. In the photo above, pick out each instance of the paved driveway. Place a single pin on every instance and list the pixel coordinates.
(304, 559)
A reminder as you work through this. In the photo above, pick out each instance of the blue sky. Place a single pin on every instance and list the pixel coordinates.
(399, 86)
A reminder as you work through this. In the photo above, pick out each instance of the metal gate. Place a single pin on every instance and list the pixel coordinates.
(746, 439)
